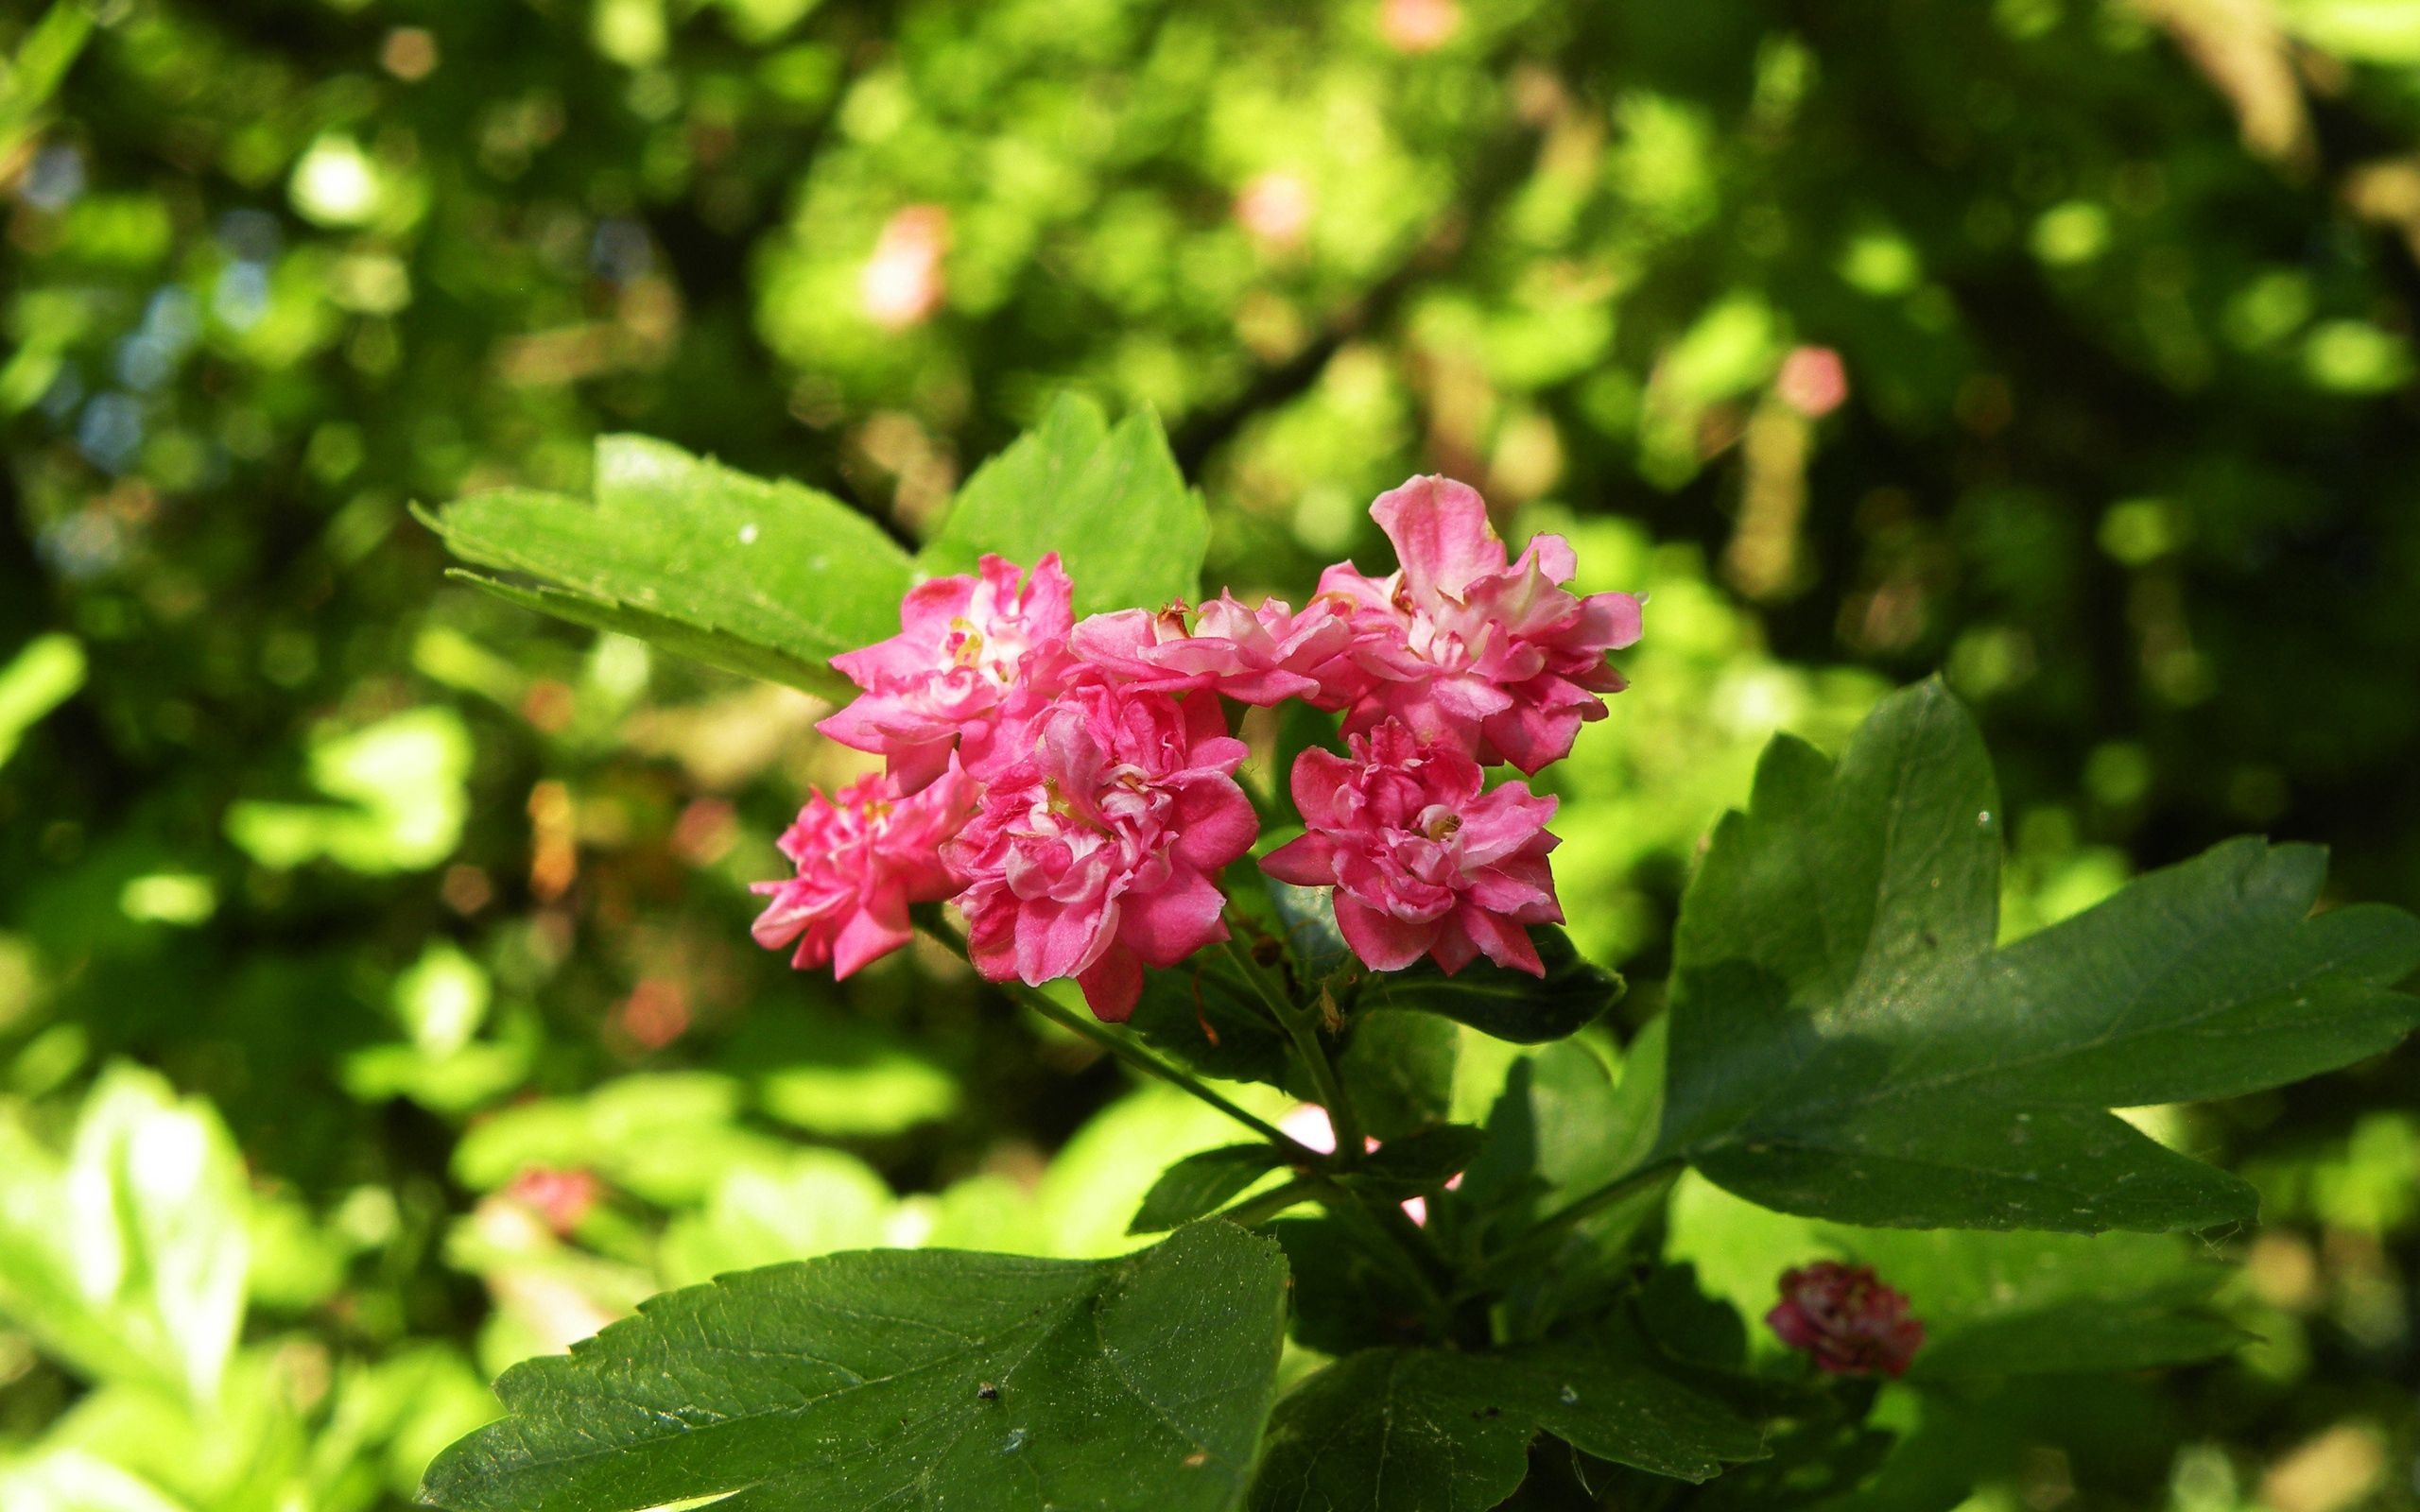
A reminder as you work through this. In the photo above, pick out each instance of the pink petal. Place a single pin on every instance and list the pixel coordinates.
(1442, 536)
(1506, 943)
(1316, 777)
(872, 933)
(1113, 985)
(1215, 823)
(1307, 861)
(1165, 927)
(1383, 942)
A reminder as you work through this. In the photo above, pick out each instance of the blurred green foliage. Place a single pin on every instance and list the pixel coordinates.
(2063, 344)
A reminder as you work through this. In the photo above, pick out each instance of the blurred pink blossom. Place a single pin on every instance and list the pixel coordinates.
(901, 284)
(1418, 26)
(1277, 208)
(1812, 381)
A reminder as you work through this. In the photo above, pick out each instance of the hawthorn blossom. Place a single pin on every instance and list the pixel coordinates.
(862, 858)
(973, 655)
(1812, 381)
(1424, 860)
(1846, 1319)
(1092, 855)
(1462, 645)
(1275, 209)
(563, 1197)
(901, 283)
(1263, 656)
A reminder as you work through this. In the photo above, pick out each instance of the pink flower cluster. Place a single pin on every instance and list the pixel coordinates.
(1072, 785)
(1847, 1319)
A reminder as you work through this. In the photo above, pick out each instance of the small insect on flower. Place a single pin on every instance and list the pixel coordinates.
(1846, 1319)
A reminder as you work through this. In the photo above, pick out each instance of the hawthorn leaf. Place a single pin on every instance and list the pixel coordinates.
(1419, 1162)
(1506, 1004)
(1399, 1072)
(1109, 499)
(1993, 1304)
(1846, 1041)
(1403, 1430)
(1200, 1014)
(1200, 1184)
(925, 1377)
(770, 579)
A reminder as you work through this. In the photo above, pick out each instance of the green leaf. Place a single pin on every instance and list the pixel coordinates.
(1110, 500)
(770, 579)
(1847, 1042)
(1399, 1072)
(1199, 1185)
(926, 1378)
(1420, 1163)
(45, 672)
(1200, 1014)
(128, 1259)
(1427, 1431)
(1508, 1005)
(1993, 1304)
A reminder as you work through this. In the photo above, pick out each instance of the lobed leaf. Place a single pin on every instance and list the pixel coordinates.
(770, 579)
(1847, 1042)
(920, 1378)
(1109, 499)
(1430, 1431)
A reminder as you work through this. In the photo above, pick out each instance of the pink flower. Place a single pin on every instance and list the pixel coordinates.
(1092, 856)
(901, 283)
(1275, 208)
(1846, 1319)
(562, 1199)
(1418, 26)
(1424, 863)
(973, 655)
(1263, 656)
(1812, 381)
(1461, 646)
(861, 860)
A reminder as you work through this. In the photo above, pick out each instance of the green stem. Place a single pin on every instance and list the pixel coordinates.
(1128, 1050)
(1259, 1210)
(1301, 1028)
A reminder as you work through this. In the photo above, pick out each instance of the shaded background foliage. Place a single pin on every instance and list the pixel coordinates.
(443, 908)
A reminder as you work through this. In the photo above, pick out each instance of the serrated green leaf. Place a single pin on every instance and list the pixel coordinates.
(1847, 1042)
(767, 579)
(1199, 1185)
(1427, 1431)
(883, 1377)
(1993, 1304)
(1508, 1005)
(1109, 500)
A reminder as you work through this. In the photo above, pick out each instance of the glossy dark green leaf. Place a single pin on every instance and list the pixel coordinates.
(1508, 1005)
(1419, 1162)
(1201, 1014)
(1108, 499)
(767, 579)
(1399, 1071)
(1846, 1041)
(1428, 1431)
(923, 1377)
(1199, 1185)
